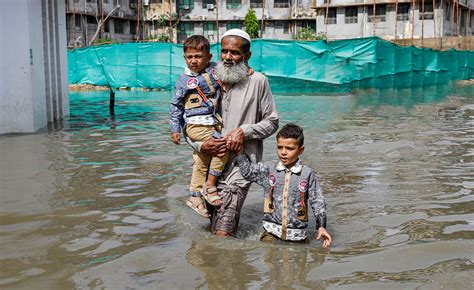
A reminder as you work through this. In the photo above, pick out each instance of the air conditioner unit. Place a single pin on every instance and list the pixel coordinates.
(185, 7)
(236, 17)
(120, 14)
(210, 6)
(146, 2)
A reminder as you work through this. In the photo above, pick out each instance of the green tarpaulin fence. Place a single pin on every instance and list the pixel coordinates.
(292, 64)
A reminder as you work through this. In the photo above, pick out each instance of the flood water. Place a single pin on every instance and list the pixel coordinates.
(99, 203)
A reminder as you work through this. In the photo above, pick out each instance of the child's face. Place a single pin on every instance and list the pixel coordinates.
(288, 151)
(197, 60)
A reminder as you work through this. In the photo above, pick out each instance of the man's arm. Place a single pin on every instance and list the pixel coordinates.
(269, 123)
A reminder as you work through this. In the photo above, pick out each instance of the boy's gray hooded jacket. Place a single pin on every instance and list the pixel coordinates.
(288, 194)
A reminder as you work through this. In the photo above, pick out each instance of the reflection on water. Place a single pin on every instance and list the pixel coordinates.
(99, 203)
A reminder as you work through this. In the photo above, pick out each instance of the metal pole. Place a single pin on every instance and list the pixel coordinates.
(74, 20)
(373, 20)
(452, 18)
(217, 20)
(422, 21)
(262, 28)
(171, 32)
(457, 18)
(325, 19)
(102, 19)
(412, 21)
(137, 29)
(434, 20)
(396, 15)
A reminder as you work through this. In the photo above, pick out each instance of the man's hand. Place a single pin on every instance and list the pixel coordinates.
(214, 147)
(235, 140)
(322, 233)
(176, 137)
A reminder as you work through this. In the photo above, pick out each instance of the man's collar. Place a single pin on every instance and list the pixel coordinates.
(295, 169)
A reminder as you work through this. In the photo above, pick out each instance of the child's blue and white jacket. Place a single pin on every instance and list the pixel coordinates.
(195, 98)
(288, 194)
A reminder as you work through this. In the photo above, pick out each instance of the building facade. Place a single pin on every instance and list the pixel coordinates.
(337, 19)
(122, 21)
(175, 20)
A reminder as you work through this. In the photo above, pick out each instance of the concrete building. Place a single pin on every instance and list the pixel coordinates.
(123, 21)
(394, 19)
(33, 65)
(161, 19)
(338, 19)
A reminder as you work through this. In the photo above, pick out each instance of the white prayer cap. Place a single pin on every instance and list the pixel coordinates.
(237, 32)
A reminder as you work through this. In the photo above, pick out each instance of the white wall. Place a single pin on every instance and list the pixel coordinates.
(28, 88)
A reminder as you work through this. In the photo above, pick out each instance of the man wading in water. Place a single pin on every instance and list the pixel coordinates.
(249, 115)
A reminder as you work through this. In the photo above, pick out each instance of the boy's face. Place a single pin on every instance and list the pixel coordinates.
(197, 60)
(288, 151)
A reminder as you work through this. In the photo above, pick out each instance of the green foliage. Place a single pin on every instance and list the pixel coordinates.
(307, 33)
(102, 41)
(251, 23)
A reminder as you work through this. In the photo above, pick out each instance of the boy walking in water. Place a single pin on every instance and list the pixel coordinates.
(289, 189)
(193, 110)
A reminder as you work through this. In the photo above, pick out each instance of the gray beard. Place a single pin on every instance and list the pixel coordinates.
(233, 74)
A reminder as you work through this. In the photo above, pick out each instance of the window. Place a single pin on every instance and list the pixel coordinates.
(281, 3)
(447, 13)
(308, 24)
(234, 4)
(133, 27)
(118, 26)
(380, 12)
(428, 11)
(106, 26)
(285, 25)
(234, 24)
(186, 4)
(210, 2)
(281, 24)
(403, 13)
(331, 16)
(350, 15)
(210, 30)
(78, 22)
(185, 29)
(91, 20)
(256, 3)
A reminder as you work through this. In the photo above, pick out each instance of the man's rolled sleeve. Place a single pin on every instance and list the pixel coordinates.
(269, 116)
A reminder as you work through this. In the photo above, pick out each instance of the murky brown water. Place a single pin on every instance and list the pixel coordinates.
(99, 204)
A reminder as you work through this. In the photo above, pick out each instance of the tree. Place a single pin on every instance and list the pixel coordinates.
(100, 23)
(251, 23)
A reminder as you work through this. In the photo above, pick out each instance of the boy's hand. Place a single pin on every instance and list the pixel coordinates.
(250, 71)
(176, 137)
(322, 233)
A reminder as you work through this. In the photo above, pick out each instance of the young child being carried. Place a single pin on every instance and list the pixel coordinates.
(193, 110)
(289, 189)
